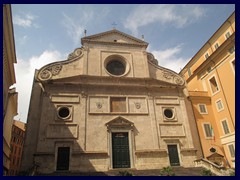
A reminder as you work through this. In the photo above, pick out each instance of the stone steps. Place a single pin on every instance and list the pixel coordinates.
(179, 171)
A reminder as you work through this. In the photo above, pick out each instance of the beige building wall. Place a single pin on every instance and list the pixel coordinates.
(214, 76)
(9, 94)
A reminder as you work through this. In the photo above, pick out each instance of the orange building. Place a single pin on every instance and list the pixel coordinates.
(17, 141)
(210, 76)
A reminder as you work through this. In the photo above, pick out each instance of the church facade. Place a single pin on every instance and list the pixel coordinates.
(108, 106)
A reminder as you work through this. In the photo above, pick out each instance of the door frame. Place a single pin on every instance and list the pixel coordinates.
(179, 155)
(130, 145)
(63, 144)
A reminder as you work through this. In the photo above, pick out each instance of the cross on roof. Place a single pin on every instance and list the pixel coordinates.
(114, 24)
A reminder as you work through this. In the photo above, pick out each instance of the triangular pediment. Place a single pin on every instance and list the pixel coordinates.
(119, 122)
(214, 155)
(114, 36)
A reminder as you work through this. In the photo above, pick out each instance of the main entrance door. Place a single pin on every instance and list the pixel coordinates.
(173, 155)
(120, 150)
(63, 158)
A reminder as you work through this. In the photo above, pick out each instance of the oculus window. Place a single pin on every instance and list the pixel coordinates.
(116, 67)
(168, 113)
(64, 112)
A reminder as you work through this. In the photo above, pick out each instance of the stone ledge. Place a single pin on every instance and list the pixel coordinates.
(90, 153)
(150, 151)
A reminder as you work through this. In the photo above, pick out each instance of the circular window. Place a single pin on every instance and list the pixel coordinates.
(64, 112)
(168, 113)
(116, 67)
(213, 150)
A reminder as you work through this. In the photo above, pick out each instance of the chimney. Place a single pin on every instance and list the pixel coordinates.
(85, 32)
(143, 37)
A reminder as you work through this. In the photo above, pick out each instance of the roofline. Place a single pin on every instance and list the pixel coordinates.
(207, 41)
(110, 31)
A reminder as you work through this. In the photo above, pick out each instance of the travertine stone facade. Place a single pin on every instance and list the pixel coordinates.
(109, 93)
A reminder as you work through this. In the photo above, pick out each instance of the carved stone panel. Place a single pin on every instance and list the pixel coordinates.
(49, 71)
(172, 130)
(65, 98)
(68, 131)
(98, 104)
(167, 100)
(138, 105)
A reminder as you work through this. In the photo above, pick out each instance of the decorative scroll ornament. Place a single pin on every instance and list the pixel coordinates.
(168, 75)
(137, 105)
(76, 53)
(151, 58)
(50, 71)
(178, 80)
(171, 76)
(99, 105)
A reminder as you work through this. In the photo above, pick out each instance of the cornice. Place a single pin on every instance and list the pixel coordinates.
(114, 31)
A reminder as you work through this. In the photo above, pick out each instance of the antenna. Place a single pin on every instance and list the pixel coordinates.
(142, 37)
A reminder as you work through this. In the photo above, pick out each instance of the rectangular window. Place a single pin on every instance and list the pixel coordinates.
(213, 84)
(189, 72)
(118, 104)
(227, 35)
(208, 130)
(219, 105)
(206, 55)
(202, 109)
(231, 50)
(225, 127)
(231, 150)
(216, 46)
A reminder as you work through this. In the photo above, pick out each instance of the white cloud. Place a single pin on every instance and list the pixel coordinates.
(25, 21)
(74, 28)
(24, 76)
(176, 15)
(168, 58)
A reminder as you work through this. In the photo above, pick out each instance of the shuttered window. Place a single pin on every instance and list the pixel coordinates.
(208, 130)
(231, 150)
(225, 127)
(213, 84)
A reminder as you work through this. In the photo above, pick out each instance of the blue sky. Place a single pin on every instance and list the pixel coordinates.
(48, 33)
